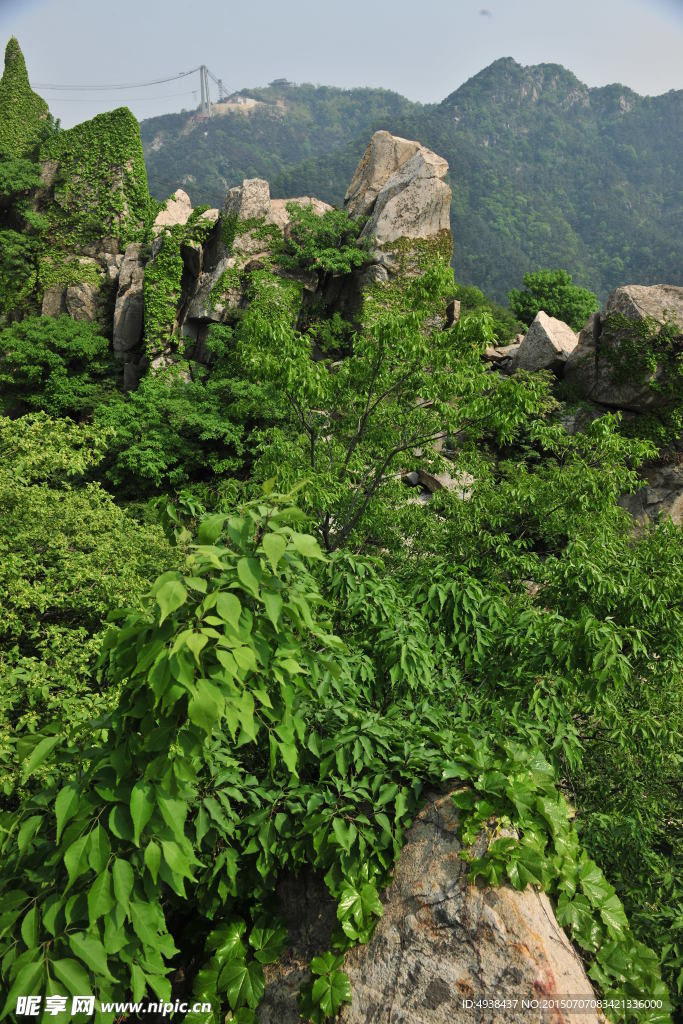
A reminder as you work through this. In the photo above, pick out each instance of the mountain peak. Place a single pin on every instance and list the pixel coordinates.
(507, 81)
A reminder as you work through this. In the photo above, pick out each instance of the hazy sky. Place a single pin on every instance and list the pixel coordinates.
(423, 49)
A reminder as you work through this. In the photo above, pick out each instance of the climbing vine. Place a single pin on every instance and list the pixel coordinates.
(99, 187)
(23, 114)
(163, 278)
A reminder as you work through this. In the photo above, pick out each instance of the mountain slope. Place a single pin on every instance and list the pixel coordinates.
(262, 133)
(544, 170)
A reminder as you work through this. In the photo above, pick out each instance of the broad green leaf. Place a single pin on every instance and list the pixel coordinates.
(331, 991)
(153, 859)
(100, 898)
(593, 882)
(137, 982)
(210, 528)
(274, 545)
(307, 546)
(145, 924)
(249, 572)
(142, 805)
(612, 913)
(28, 831)
(229, 608)
(176, 859)
(73, 975)
(29, 927)
(122, 874)
(27, 983)
(171, 596)
(66, 806)
(244, 984)
(273, 603)
(344, 834)
(38, 755)
(226, 941)
(173, 812)
(99, 848)
(205, 706)
(91, 951)
(75, 860)
(268, 942)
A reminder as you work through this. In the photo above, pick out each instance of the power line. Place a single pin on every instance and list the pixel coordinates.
(128, 99)
(204, 75)
(110, 88)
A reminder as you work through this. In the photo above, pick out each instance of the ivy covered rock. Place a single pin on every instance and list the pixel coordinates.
(23, 113)
(440, 942)
(629, 355)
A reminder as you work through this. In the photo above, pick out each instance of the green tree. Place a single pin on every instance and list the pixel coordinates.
(553, 292)
(327, 244)
(173, 430)
(58, 365)
(67, 554)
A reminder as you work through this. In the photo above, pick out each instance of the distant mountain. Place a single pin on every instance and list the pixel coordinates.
(544, 170)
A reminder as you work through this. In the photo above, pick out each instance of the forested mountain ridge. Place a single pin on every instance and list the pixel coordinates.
(544, 170)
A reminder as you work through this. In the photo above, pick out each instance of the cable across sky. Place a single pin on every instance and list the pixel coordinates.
(115, 86)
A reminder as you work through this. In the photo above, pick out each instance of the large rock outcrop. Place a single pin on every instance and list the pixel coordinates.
(177, 210)
(399, 186)
(621, 363)
(129, 307)
(442, 941)
(546, 345)
(608, 364)
(242, 239)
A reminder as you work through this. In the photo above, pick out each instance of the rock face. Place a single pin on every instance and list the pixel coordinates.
(129, 308)
(178, 210)
(546, 345)
(242, 237)
(662, 493)
(385, 155)
(81, 301)
(440, 942)
(596, 366)
(399, 185)
(501, 357)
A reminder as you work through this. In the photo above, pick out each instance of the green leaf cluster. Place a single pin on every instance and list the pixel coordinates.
(553, 292)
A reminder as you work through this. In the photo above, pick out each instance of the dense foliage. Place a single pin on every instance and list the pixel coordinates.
(67, 553)
(61, 366)
(544, 171)
(22, 111)
(553, 292)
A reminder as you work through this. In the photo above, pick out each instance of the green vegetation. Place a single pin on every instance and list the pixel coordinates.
(293, 124)
(61, 366)
(62, 191)
(235, 645)
(545, 172)
(25, 124)
(68, 553)
(100, 188)
(22, 112)
(553, 292)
